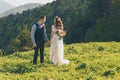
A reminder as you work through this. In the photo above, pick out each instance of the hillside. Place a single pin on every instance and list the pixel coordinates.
(89, 61)
(20, 9)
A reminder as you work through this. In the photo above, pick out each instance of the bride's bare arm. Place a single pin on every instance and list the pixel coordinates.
(51, 35)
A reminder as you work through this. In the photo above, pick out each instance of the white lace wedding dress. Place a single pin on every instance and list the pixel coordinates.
(57, 49)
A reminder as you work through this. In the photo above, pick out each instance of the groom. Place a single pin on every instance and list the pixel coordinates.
(38, 37)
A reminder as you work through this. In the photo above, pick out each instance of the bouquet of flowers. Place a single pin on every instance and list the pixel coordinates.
(60, 34)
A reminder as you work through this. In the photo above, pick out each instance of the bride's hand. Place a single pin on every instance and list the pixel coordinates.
(64, 33)
(34, 45)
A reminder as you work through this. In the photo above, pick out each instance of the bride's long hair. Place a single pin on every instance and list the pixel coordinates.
(58, 23)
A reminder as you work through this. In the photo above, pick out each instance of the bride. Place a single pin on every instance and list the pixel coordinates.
(56, 48)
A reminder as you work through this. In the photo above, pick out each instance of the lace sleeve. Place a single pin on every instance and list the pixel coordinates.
(52, 32)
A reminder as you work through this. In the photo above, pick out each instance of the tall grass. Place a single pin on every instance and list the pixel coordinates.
(88, 61)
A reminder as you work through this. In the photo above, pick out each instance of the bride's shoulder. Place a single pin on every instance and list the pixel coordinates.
(52, 27)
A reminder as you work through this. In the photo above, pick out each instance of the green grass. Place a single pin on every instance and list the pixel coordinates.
(88, 61)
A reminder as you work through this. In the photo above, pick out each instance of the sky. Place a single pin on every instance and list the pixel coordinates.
(21, 2)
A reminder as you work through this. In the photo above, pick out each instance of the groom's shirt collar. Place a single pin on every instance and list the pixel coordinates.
(41, 25)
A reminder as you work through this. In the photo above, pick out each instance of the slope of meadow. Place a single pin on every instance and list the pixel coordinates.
(89, 61)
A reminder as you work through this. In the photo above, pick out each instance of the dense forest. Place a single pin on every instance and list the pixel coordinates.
(84, 21)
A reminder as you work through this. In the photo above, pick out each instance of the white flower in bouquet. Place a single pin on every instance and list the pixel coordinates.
(60, 34)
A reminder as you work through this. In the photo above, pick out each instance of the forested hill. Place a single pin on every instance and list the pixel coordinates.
(84, 20)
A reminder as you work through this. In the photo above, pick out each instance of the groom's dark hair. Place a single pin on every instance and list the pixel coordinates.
(42, 17)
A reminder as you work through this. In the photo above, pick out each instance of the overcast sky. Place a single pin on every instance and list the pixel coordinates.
(21, 2)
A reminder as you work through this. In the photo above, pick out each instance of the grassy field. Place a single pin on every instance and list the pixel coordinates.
(88, 61)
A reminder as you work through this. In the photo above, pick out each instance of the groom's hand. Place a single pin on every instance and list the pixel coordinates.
(34, 46)
(48, 43)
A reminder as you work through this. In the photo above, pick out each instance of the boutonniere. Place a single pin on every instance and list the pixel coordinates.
(43, 27)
